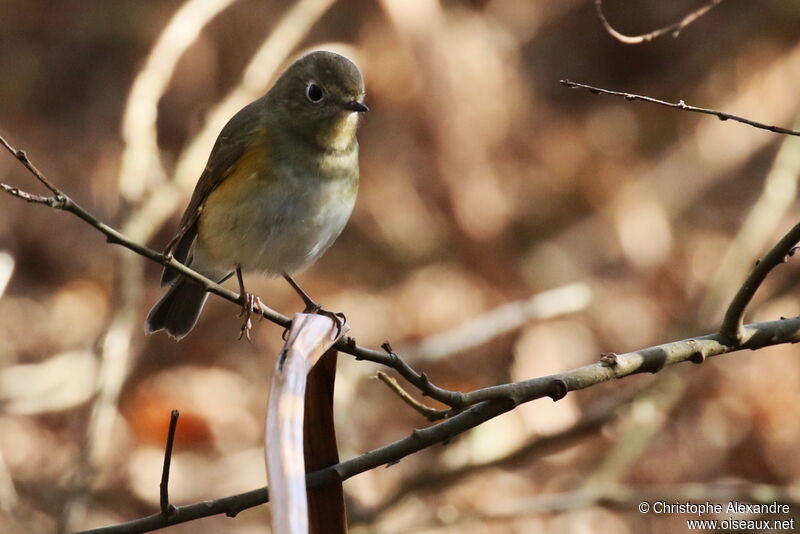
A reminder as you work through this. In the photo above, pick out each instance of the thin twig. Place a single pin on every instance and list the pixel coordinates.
(166, 507)
(51, 201)
(679, 105)
(732, 324)
(431, 414)
(454, 399)
(675, 29)
(23, 158)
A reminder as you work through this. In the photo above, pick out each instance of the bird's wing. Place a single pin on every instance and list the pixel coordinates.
(233, 142)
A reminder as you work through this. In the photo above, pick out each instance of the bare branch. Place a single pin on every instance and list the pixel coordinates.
(23, 158)
(52, 201)
(680, 105)
(166, 507)
(732, 325)
(431, 414)
(454, 399)
(346, 344)
(675, 29)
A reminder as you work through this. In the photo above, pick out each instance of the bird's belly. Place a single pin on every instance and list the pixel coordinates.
(274, 227)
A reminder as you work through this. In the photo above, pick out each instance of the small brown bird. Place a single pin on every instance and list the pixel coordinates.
(277, 191)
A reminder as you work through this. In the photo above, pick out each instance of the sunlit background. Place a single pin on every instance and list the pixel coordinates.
(484, 183)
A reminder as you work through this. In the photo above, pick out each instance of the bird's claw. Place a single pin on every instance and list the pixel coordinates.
(338, 318)
(312, 307)
(252, 304)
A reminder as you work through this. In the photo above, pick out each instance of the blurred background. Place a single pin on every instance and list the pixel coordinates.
(607, 225)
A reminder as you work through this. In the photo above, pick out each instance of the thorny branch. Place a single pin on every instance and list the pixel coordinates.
(675, 29)
(469, 409)
(680, 105)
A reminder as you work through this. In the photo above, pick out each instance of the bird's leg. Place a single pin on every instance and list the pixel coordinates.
(338, 318)
(311, 306)
(251, 304)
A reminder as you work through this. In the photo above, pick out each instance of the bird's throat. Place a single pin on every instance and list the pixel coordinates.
(341, 136)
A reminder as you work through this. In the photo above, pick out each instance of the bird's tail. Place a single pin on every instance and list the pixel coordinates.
(178, 310)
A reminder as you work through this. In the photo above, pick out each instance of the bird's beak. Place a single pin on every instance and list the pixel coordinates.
(355, 105)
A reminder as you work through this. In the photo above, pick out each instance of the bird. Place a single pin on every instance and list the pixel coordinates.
(278, 189)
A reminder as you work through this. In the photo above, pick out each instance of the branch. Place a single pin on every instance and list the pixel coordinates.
(503, 399)
(23, 158)
(454, 399)
(675, 28)
(431, 414)
(680, 105)
(732, 324)
(166, 507)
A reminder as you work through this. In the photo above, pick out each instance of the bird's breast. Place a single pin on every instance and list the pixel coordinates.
(279, 217)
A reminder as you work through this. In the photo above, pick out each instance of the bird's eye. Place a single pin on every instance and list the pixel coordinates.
(314, 93)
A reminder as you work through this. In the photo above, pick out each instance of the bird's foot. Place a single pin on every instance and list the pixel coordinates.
(312, 307)
(252, 304)
(338, 318)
